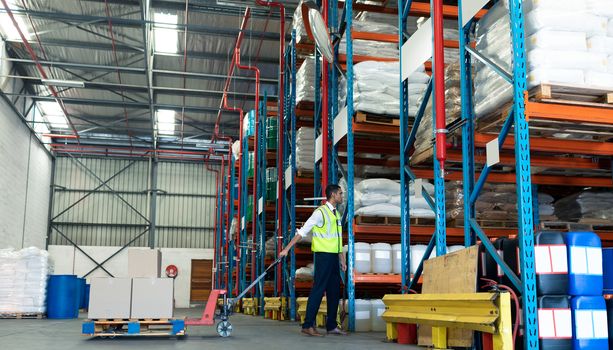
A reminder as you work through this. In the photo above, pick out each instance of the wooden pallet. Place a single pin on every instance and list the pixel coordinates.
(575, 95)
(133, 327)
(305, 105)
(23, 316)
(385, 220)
(368, 118)
(422, 156)
(558, 94)
(484, 223)
(582, 225)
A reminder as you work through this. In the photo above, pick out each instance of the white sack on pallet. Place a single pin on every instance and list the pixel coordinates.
(610, 64)
(599, 79)
(414, 202)
(557, 40)
(565, 20)
(567, 60)
(385, 186)
(556, 49)
(370, 48)
(600, 7)
(610, 27)
(377, 88)
(305, 83)
(390, 210)
(601, 44)
(23, 280)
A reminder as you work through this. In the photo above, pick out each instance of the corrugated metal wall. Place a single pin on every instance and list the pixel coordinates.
(114, 216)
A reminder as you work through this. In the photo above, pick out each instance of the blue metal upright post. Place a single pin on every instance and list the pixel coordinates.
(261, 209)
(468, 129)
(333, 93)
(350, 168)
(292, 231)
(524, 180)
(243, 197)
(405, 222)
(230, 236)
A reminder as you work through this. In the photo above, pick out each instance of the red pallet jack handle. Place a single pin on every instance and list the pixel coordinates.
(208, 316)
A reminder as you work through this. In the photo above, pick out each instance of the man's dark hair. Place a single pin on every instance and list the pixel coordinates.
(331, 189)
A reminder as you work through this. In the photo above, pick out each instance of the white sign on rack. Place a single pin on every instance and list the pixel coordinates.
(318, 148)
(417, 50)
(340, 125)
(288, 177)
(470, 9)
(492, 152)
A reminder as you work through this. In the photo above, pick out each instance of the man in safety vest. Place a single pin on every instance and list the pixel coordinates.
(327, 246)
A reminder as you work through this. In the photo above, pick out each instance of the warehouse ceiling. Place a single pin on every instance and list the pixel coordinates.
(148, 73)
(123, 69)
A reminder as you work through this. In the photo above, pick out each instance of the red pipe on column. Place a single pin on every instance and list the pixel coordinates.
(240, 171)
(280, 126)
(239, 40)
(237, 54)
(439, 85)
(215, 252)
(324, 112)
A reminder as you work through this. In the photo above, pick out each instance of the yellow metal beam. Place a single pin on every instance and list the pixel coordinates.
(485, 312)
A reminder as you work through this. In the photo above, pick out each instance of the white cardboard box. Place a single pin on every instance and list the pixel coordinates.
(152, 297)
(110, 297)
(143, 262)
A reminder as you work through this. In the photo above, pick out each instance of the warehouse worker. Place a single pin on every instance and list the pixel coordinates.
(325, 224)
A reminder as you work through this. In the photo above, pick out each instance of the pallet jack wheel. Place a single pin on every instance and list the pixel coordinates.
(224, 329)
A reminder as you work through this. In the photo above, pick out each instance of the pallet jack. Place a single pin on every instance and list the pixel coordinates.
(213, 312)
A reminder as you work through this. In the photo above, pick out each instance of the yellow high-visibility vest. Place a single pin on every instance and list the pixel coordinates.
(328, 238)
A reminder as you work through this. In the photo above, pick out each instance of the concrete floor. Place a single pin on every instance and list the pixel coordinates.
(253, 333)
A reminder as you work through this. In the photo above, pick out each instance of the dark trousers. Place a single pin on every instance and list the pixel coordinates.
(327, 279)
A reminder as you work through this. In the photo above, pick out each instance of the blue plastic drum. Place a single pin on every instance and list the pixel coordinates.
(62, 297)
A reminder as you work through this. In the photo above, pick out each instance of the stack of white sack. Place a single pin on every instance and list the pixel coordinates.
(566, 43)
(305, 83)
(376, 88)
(453, 108)
(381, 197)
(305, 148)
(23, 280)
(586, 205)
(305, 273)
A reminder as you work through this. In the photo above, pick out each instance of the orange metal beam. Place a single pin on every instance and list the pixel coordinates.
(417, 9)
(552, 145)
(569, 113)
(540, 161)
(536, 179)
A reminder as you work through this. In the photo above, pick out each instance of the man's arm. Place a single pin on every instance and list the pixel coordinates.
(316, 219)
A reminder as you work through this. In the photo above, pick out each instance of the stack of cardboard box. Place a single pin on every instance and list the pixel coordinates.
(143, 294)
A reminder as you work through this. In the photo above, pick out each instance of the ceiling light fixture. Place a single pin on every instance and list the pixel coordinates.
(63, 83)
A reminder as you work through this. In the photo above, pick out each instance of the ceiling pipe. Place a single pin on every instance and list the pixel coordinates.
(237, 54)
(239, 40)
(114, 46)
(39, 67)
(280, 126)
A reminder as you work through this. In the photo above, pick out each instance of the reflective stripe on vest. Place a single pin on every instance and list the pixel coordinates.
(328, 237)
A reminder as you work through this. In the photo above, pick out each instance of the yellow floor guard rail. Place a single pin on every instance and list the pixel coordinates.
(485, 312)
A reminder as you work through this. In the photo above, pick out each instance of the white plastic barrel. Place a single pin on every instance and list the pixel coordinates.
(454, 248)
(397, 258)
(417, 253)
(381, 257)
(362, 315)
(377, 308)
(362, 257)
